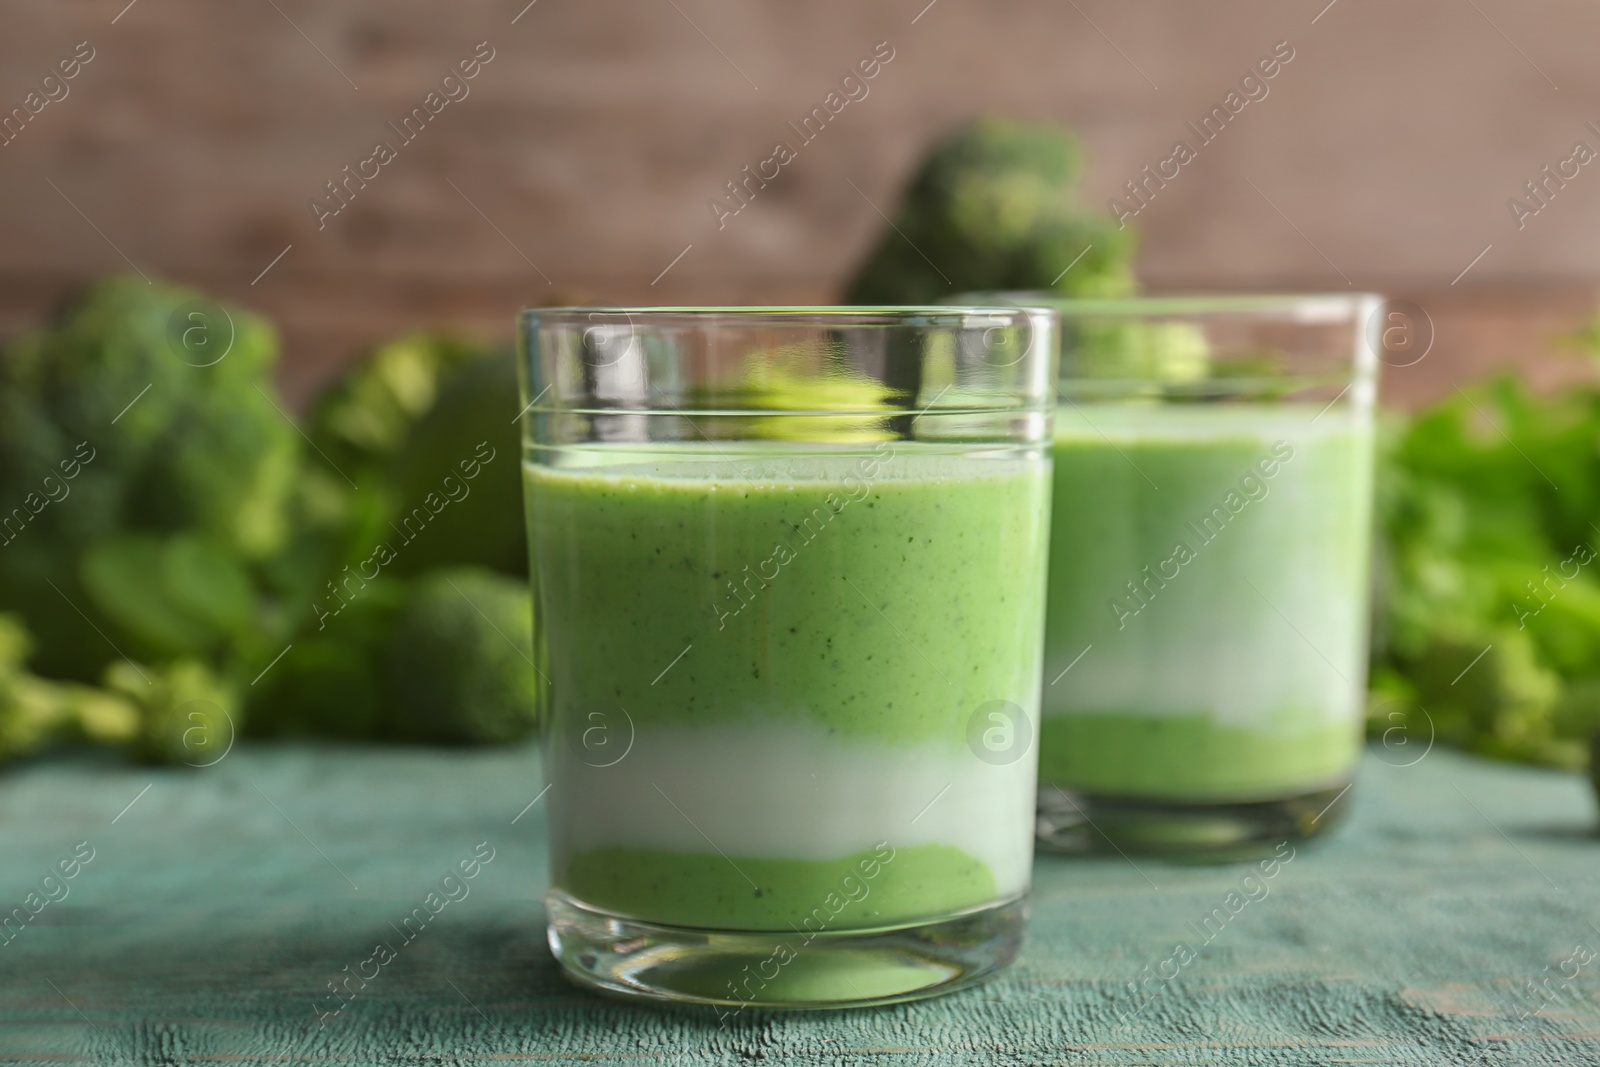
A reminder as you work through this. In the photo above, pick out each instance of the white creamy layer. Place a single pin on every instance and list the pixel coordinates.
(793, 790)
(1241, 689)
(1265, 627)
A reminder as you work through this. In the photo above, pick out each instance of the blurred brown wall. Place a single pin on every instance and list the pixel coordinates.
(581, 161)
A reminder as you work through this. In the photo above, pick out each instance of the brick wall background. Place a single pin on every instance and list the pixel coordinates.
(580, 163)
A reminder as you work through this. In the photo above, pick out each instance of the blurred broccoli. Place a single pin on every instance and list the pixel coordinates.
(145, 469)
(1483, 555)
(444, 658)
(186, 713)
(459, 664)
(1503, 706)
(171, 533)
(1159, 352)
(362, 420)
(444, 454)
(172, 595)
(35, 713)
(796, 378)
(331, 682)
(411, 415)
(425, 428)
(992, 208)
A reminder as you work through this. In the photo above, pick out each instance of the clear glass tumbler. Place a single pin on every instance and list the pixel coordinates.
(788, 570)
(1206, 648)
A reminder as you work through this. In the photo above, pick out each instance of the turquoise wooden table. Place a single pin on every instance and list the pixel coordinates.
(232, 914)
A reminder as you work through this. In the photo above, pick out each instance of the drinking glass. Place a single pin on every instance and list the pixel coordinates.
(788, 574)
(1206, 642)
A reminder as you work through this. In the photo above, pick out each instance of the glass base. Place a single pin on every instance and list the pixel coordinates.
(746, 969)
(1200, 831)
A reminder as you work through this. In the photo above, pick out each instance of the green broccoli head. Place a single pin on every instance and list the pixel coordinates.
(1160, 353)
(1504, 702)
(141, 411)
(425, 427)
(330, 683)
(467, 450)
(35, 712)
(347, 494)
(1482, 554)
(186, 713)
(172, 396)
(364, 418)
(992, 208)
(459, 664)
(413, 414)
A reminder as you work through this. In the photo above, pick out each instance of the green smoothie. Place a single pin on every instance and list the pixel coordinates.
(1206, 636)
(792, 647)
(687, 889)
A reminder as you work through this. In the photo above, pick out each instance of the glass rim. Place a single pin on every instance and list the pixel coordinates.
(1358, 367)
(1044, 404)
(863, 315)
(969, 317)
(1198, 303)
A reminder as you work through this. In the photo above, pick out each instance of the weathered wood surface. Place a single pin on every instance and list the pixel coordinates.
(218, 907)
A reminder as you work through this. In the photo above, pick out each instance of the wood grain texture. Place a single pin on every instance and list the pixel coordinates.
(192, 143)
(208, 925)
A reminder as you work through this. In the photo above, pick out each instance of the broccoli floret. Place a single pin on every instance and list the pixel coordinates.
(172, 595)
(186, 713)
(1482, 553)
(406, 426)
(992, 208)
(460, 667)
(796, 378)
(444, 658)
(1504, 703)
(322, 688)
(167, 511)
(141, 413)
(363, 420)
(331, 681)
(1161, 353)
(35, 712)
(408, 417)
(483, 525)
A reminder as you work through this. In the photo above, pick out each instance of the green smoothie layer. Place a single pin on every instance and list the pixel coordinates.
(883, 593)
(872, 888)
(1193, 757)
(1212, 560)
